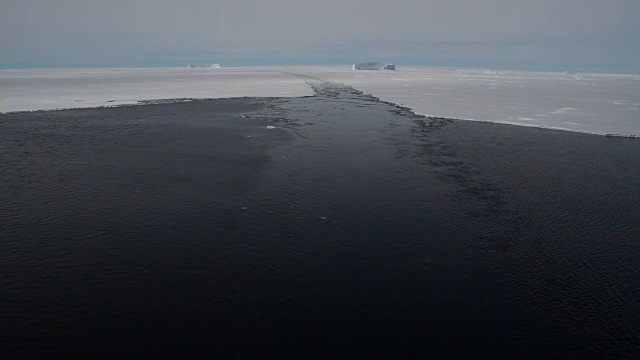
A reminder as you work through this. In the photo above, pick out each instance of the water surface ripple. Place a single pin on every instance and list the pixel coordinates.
(335, 225)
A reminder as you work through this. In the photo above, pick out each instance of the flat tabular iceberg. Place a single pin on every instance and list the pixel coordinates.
(373, 66)
(204, 66)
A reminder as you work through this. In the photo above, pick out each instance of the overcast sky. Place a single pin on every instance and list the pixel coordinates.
(532, 33)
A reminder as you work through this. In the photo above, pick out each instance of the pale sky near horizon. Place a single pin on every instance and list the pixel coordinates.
(137, 32)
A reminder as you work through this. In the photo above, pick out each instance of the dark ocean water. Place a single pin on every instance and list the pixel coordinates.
(352, 229)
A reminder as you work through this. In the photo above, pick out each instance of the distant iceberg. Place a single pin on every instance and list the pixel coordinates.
(204, 66)
(373, 66)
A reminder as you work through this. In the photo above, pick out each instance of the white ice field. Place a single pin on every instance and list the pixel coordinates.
(45, 89)
(593, 103)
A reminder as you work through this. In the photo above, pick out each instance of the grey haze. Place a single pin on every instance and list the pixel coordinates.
(493, 33)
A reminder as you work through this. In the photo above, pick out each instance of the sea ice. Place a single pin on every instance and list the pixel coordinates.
(590, 103)
(45, 89)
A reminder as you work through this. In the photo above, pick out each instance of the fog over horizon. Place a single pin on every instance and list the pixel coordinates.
(545, 34)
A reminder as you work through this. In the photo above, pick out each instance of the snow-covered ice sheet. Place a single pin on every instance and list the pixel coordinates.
(592, 103)
(43, 89)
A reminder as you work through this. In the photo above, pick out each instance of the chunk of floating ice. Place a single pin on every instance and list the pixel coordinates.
(271, 127)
